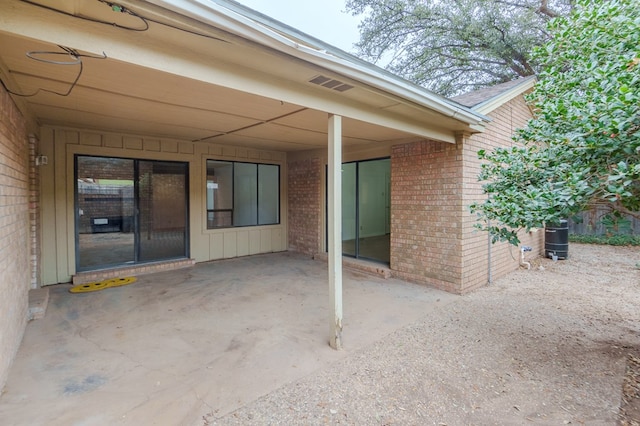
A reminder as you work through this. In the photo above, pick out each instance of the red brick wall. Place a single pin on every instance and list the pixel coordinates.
(15, 243)
(433, 238)
(305, 205)
(426, 213)
(504, 257)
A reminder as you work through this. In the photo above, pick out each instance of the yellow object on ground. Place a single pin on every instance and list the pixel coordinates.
(101, 285)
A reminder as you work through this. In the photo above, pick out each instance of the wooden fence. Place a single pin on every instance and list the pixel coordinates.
(592, 223)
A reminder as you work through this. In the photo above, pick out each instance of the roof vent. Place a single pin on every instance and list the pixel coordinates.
(331, 83)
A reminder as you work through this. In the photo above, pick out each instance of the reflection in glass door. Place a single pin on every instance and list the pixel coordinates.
(349, 209)
(366, 209)
(163, 210)
(129, 211)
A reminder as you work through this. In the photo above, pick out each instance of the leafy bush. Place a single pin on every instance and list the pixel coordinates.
(614, 240)
(583, 146)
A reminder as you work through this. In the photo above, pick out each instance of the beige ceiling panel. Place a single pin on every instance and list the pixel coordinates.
(359, 93)
(60, 117)
(314, 120)
(286, 134)
(368, 97)
(168, 88)
(117, 106)
(427, 116)
(317, 121)
(370, 132)
(276, 145)
(261, 143)
(111, 76)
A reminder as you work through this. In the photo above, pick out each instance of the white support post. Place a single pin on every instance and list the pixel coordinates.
(334, 198)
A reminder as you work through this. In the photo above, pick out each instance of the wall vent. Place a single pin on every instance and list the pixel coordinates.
(331, 83)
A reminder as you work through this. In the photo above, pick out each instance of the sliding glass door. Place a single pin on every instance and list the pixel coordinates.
(366, 209)
(129, 211)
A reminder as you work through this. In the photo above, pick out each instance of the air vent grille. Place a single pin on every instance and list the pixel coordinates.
(331, 83)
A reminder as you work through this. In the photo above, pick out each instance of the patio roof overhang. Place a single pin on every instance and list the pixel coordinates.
(205, 72)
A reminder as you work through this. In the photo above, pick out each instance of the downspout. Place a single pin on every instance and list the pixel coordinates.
(489, 244)
(489, 277)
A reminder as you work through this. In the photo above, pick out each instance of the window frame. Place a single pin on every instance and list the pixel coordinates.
(233, 194)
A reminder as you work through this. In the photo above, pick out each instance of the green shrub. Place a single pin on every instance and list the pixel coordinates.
(614, 240)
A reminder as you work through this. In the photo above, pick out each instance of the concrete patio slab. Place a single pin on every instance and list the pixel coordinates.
(177, 346)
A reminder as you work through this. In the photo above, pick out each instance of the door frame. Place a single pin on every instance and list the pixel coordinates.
(136, 215)
(357, 210)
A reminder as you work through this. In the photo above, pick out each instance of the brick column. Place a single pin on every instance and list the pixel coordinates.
(34, 212)
(426, 214)
(14, 231)
(305, 205)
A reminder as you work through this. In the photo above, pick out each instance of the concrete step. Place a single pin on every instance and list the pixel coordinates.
(38, 301)
(366, 266)
(133, 270)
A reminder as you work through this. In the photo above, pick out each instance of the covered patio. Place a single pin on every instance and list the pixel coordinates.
(192, 131)
(176, 346)
(200, 86)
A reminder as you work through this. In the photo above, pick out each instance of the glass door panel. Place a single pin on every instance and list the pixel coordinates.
(366, 208)
(373, 209)
(163, 210)
(349, 229)
(104, 212)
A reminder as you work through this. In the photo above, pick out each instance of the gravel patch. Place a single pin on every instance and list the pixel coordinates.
(550, 345)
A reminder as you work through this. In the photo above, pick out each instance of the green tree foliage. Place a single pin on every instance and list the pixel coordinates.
(454, 46)
(583, 146)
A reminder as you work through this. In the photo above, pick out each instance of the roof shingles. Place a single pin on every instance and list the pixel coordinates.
(477, 97)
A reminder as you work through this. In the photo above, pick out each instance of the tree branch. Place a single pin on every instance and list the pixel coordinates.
(544, 9)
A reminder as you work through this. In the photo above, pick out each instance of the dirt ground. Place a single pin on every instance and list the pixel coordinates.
(557, 344)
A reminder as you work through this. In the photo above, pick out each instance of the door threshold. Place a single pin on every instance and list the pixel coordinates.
(367, 266)
(131, 270)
